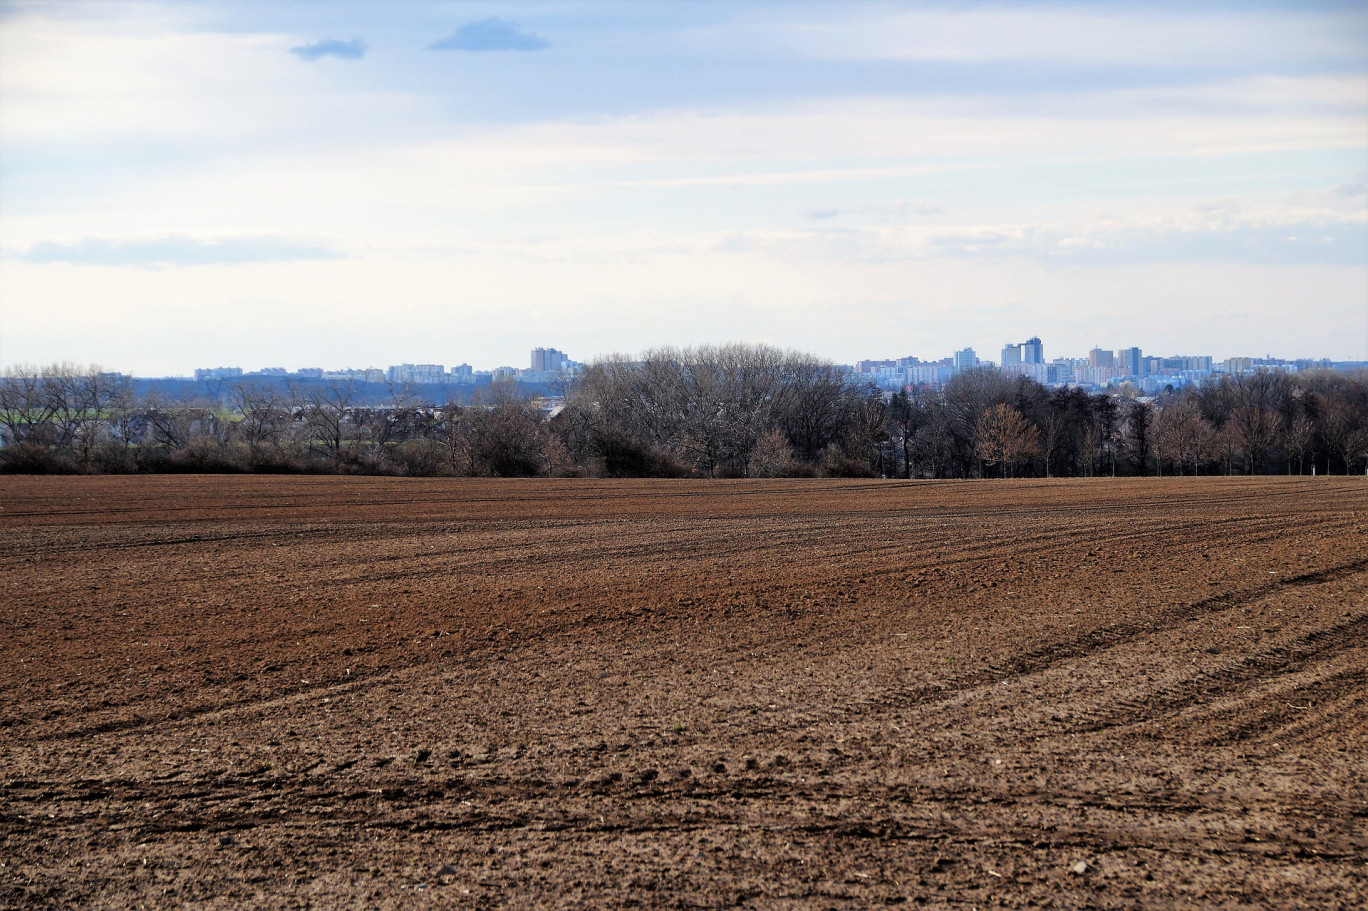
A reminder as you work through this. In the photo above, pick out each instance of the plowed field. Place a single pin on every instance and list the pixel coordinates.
(232, 692)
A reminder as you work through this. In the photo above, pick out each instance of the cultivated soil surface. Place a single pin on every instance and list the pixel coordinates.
(231, 692)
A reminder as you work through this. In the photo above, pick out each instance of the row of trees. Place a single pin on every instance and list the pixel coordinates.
(64, 418)
(1254, 423)
(719, 411)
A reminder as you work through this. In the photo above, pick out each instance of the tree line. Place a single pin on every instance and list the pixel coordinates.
(711, 411)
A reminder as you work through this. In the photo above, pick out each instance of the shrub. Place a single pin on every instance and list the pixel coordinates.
(419, 458)
(34, 458)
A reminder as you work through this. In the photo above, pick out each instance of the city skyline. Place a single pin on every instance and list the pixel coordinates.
(1101, 368)
(183, 184)
(986, 355)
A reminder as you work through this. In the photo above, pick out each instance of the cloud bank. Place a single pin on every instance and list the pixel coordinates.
(491, 35)
(175, 250)
(345, 50)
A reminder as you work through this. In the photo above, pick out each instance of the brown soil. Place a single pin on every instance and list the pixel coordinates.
(325, 692)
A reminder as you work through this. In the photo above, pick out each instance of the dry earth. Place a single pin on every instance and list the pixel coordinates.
(227, 692)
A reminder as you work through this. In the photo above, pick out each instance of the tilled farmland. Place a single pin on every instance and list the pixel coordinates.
(233, 692)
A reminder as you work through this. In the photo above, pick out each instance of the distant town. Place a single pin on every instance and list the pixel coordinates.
(1101, 369)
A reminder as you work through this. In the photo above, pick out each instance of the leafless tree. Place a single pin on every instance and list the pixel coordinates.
(266, 419)
(817, 406)
(1337, 423)
(1229, 444)
(509, 439)
(66, 402)
(772, 456)
(707, 406)
(1139, 424)
(966, 398)
(327, 410)
(25, 411)
(1180, 431)
(1356, 447)
(906, 415)
(935, 444)
(1006, 438)
(1297, 434)
(1051, 438)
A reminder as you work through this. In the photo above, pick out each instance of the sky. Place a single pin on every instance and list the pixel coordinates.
(350, 184)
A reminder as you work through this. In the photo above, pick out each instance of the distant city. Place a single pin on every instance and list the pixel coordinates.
(547, 365)
(1101, 369)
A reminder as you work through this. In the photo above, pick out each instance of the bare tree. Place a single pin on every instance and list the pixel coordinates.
(1297, 434)
(1105, 419)
(935, 444)
(1229, 443)
(772, 456)
(965, 399)
(25, 411)
(456, 434)
(1356, 447)
(906, 415)
(509, 440)
(186, 432)
(1250, 403)
(265, 420)
(708, 406)
(816, 410)
(1337, 423)
(1139, 421)
(1051, 439)
(66, 402)
(327, 410)
(168, 423)
(1006, 438)
(1180, 430)
(103, 395)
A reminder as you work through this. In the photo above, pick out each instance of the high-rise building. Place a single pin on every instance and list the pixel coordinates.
(1100, 357)
(965, 359)
(1131, 360)
(549, 360)
(1030, 351)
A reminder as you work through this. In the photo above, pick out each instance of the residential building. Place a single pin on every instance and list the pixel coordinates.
(929, 374)
(549, 360)
(1038, 372)
(416, 373)
(1099, 376)
(217, 373)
